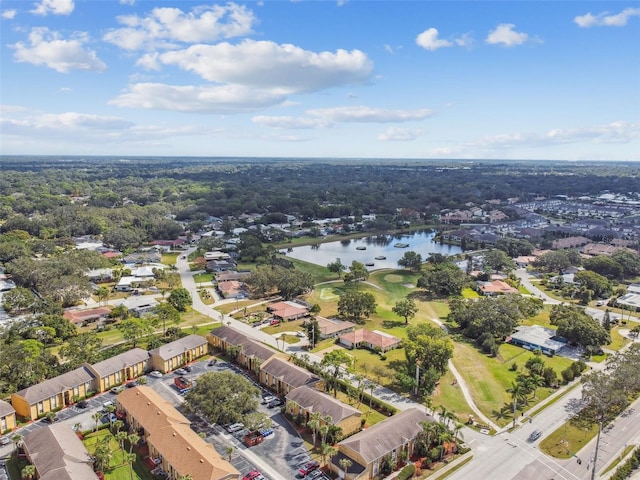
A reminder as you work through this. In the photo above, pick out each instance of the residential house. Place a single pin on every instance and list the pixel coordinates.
(229, 276)
(373, 340)
(100, 275)
(51, 395)
(248, 353)
(176, 448)
(7, 417)
(305, 401)
(287, 310)
(121, 368)
(58, 454)
(223, 265)
(126, 283)
(233, 289)
(331, 328)
(537, 337)
(169, 243)
(140, 305)
(367, 448)
(569, 242)
(595, 249)
(143, 257)
(496, 287)
(180, 352)
(631, 299)
(282, 376)
(82, 317)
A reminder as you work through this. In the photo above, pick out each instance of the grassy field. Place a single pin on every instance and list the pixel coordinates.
(567, 440)
(203, 277)
(119, 470)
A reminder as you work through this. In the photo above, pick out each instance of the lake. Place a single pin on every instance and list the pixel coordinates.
(365, 250)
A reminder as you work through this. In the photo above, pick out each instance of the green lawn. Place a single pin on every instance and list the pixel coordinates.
(567, 440)
(470, 293)
(119, 470)
(203, 277)
(169, 258)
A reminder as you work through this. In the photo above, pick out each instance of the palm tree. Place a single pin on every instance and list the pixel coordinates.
(457, 432)
(518, 393)
(446, 416)
(28, 471)
(314, 425)
(229, 453)
(443, 437)
(117, 425)
(121, 437)
(345, 463)
(324, 430)
(96, 417)
(329, 451)
(537, 381)
(103, 295)
(130, 459)
(133, 441)
(17, 442)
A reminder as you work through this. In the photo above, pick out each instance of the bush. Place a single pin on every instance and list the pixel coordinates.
(407, 472)
(568, 374)
(513, 367)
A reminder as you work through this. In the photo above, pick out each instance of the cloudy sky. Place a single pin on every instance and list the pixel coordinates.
(313, 78)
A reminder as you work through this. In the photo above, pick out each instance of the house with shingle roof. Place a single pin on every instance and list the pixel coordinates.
(367, 448)
(121, 368)
(282, 377)
(250, 354)
(373, 340)
(331, 327)
(496, 287)
(58, 392)
(305, 401)
(287, 310)
(82, 317)
(7, 417)
(58, 454)
(171, 441)
(177, 353)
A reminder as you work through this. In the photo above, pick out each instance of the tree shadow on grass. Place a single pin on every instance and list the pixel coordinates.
(392, 323)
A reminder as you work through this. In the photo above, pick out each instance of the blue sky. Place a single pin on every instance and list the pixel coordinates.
(350, 78)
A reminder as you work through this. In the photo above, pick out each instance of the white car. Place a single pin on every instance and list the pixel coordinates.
(268, 399)
(300, 335)
(235, 427)
(155, 374)
(5, 440)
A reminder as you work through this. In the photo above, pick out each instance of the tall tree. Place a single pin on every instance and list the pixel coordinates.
(411, 261)
(405, 308)
(336, 267)
(334, 365)
(354, 305)
(180, 299)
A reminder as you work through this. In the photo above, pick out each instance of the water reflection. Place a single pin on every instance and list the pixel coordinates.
(379, 251)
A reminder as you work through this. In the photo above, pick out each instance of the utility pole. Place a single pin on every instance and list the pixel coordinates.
(595, 454)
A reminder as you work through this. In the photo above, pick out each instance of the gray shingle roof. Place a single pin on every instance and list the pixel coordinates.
(250, 347)
(388, 435)
(289, 373)
(58, 454)
(55, 385)
(178, 347)
(120, 362)
(6, 409)
(315, 401)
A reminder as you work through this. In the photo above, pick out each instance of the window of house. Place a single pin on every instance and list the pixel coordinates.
(76, 391)
(3, 423)
(40, 407)
(54, 402)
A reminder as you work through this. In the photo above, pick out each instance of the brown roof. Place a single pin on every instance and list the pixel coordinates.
(58, 454)
(375, 338)
(315, 401)
(120, 362)
(388, 435)
(231, 286)
(286, 309)
(250, 347)
(55, 385)
(288, 373)
(6, 409)
(79, 316)
(170, 433)
(178, 347)
(330, 326)
(230, 275)
(497, 286)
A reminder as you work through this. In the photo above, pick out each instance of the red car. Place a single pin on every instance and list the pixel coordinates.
(275, 321)
(307, 468)
(253, 475)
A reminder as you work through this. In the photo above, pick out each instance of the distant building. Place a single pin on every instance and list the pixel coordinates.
(537, 337)
(331, 328)
(180, 352)
(82, 317)
(7, 417)
(287, 310)
(121, 368)
(282, 376)
(373, 340)
(497, 287)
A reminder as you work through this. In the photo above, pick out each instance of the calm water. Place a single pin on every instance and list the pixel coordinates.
(346, 251)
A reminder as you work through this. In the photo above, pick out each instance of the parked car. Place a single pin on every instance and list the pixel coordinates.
(274, 403)
(268, 399)
(188, 368)
(180, 371)
(307, 468)
(275, 321)
(253, 475)
(50, 419)
(135, 383)
(315, 475)
(155, 374)
(117, 390)
(300, 335)
(535, 435)
(5, 440)
(235, 427)
(82, 404)
(212, 362)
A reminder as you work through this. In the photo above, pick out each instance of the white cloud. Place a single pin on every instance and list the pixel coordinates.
(49, 49)
(363, 114)
(204, 99)
(614, 132)
(55, 7)
(12, 108)
(506, 35)
(429, 40)
(290, 123)
(9, 14)
(395, 134)
(285, 69)
(127, 2)
(164, 27)
(604, 19)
